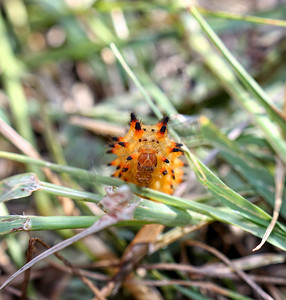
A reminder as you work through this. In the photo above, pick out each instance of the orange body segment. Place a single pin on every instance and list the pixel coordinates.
(147, 157)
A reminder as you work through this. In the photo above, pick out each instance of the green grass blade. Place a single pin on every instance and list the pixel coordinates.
(172, 217)
(11, 70)
(9, 224)
(135, 80)
(256, 219)
(157, 94)
(225, 75)
(252, 170)
(69, 192)
(24, 185)
(244, 18)
(243, 75)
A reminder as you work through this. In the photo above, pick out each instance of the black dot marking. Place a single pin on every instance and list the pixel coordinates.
(153, 129)
(120, 174)
(179, 145)
(138, 126)
(174, 177)
(133, 117)
(165, 120)
(138, 164)
(172, 171)
(163, 129)
(124, 169)
(116, 139)
(145, 140)
(109, 151)
(112, 175)
(166, 161)
(171, 186)
(158, 142)
(111, 146)
(176, 150)
(139, 140)
(153, 140)
(109, 164)
(129, 158)
(144, 129)
(156, 165)
(165, 172)
(122, 144)
(118, 168)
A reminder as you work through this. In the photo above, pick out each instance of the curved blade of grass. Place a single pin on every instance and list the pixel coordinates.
(227, 196)
(279, 186)
(252, 170)
(225, 75)
(243, 75)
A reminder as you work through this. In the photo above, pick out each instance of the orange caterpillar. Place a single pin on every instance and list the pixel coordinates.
(147, 157)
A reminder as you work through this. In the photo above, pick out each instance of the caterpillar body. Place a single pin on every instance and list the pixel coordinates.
(147, 157)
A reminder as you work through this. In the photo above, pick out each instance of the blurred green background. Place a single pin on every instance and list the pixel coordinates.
(65, 92)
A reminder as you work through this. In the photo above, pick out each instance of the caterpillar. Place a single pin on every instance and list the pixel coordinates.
(147, 157)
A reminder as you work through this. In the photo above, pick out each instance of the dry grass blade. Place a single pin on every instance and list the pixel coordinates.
(175, 234)
(137, 249)
(146, 241)
(215, 273)
(257, 289)
(27, 273)
(214, 288)
(17, 140)
(98, 127)
(27, 148)
(279, 183)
